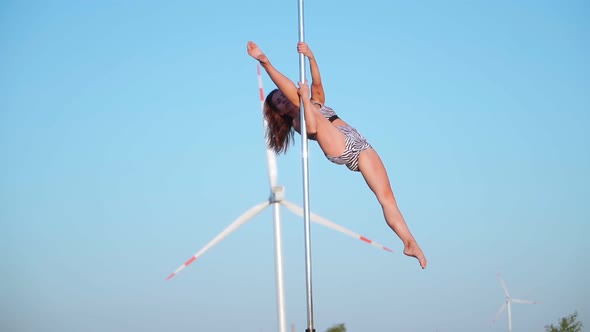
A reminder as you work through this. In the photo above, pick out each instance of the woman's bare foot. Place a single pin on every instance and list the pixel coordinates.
(413, 250)
(255, 52)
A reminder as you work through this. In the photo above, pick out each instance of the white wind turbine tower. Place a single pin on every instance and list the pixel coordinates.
(276, 198)
(508, 303)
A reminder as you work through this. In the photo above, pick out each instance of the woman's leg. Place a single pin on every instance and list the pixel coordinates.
(376, 177)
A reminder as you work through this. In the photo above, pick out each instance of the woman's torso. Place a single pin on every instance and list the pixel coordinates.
(326, 112)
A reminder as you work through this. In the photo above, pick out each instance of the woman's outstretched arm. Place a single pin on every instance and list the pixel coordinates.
(281, 81)
(317, 89)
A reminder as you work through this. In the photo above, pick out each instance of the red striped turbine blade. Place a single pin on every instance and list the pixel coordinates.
(330, 224)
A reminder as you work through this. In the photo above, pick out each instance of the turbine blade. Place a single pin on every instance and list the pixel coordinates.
(524, 301)
(503, 285)
(246, 216)
(327, 223)
(271, 160)
(500, 311)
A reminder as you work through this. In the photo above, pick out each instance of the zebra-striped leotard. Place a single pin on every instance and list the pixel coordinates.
(355, 143)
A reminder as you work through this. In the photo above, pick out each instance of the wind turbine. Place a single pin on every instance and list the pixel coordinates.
(277, 197)
(507, 303)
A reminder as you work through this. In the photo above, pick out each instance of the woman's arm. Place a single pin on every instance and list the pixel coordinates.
(310, 115)
(281, 81)
(317, 89)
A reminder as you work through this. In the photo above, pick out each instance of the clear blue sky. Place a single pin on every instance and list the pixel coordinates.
(131, 134)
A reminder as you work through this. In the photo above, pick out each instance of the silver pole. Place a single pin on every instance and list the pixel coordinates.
(306, 210)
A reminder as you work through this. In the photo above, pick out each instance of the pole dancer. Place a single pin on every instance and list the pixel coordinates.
(341, 143)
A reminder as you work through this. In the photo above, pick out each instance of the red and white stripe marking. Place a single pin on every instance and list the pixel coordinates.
(371, 242)
(187, 263)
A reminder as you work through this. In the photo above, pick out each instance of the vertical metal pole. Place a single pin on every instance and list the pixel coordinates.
(306, 209)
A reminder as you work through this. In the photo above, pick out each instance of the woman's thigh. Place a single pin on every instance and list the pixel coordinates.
(375, 175)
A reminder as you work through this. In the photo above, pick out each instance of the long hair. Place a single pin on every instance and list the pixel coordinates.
(279, 130)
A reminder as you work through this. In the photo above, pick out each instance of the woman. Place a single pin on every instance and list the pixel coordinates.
(341, 143)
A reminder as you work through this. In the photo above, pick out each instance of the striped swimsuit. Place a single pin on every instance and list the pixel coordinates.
(355, 143)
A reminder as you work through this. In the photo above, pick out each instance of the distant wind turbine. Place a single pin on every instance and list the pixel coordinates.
(507, 303)
(277, 198)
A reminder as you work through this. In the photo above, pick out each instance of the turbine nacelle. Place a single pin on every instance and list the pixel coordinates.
(277, 194)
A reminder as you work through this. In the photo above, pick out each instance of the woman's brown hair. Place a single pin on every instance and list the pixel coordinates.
(279, 130)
